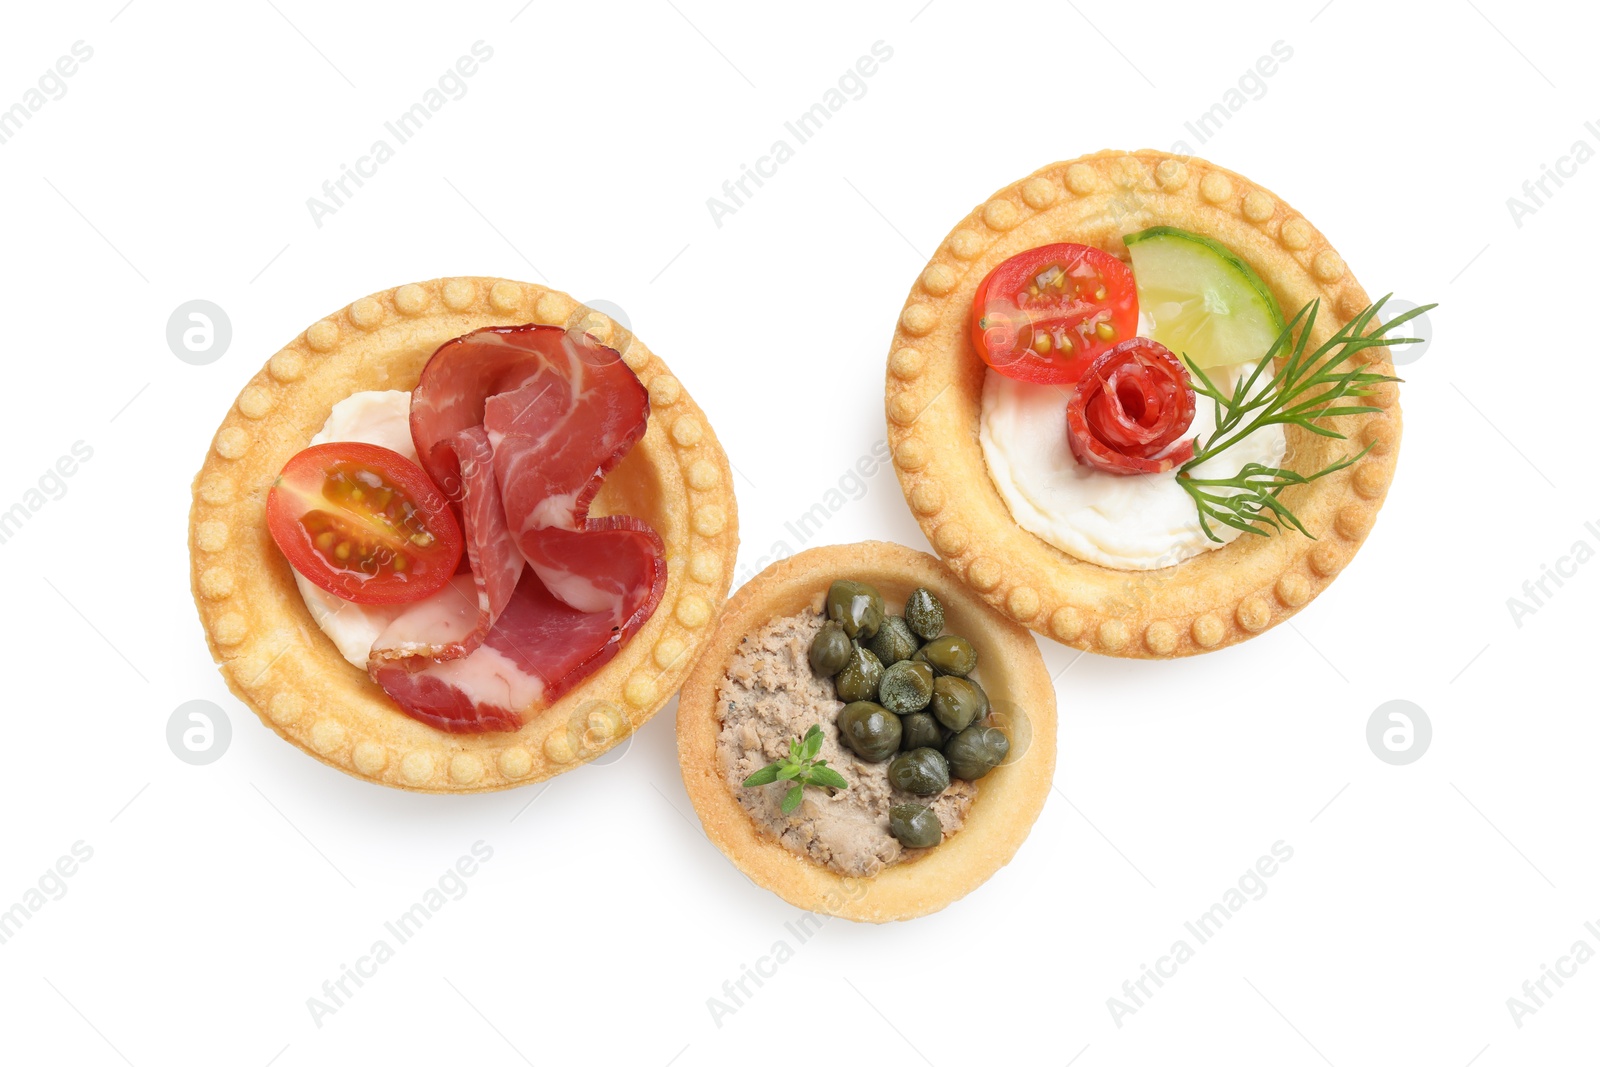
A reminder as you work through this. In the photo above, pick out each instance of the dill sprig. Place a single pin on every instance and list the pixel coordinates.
(1308, 387)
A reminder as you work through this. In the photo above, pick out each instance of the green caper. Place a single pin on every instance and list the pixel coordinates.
(915, 826)
(920, 730)
(949, 655)
(857, 607)
(830, 650)
(859, 677)
(924, 614)
(869, 730)
(906, 687)
(957, 702)
(923, 771)
(976, 751)
(894, 641)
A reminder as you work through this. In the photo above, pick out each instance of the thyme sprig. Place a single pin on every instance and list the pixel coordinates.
(1308, 387)
(802, 767)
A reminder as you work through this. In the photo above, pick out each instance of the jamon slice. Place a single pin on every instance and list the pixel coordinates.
(538, 649)
(519, 426)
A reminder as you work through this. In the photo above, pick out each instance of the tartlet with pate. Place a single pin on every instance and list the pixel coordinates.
(460, 536)
(1142, 406)
(864, 736)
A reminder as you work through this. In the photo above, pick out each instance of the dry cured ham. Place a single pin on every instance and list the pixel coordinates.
(519, 427)
(1130, 406)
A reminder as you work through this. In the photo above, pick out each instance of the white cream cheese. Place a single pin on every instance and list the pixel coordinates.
(376, 417)
(1122, 521)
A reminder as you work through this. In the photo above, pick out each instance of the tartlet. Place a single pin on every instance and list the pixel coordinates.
(934, 392)
(1009, 798)
(274, 657)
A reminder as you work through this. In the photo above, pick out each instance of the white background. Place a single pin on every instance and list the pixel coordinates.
(219, 898)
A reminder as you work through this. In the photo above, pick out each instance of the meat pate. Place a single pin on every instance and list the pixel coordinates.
(767, 697)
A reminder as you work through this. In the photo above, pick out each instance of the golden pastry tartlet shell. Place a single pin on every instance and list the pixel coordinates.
(1009, 797)
(934, 397)
(275, 658)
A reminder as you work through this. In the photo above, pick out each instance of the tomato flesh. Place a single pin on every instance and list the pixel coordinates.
(363, 523)
(1045, 314)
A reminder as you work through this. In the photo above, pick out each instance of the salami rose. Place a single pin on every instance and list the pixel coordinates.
(1130, 405)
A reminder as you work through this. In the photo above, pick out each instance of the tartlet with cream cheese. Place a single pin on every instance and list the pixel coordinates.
(1099, 580)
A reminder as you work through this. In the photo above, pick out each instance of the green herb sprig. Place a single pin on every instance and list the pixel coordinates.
(802, 767)
(1307, 388)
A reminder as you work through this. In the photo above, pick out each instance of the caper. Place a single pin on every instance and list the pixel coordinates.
(923, 771)
(915, 826)
(976, 751)
(830, 650)
(859, 677)
(949, 655)
(869, 730)
(857, 606)
(894, 641)
(906, 687)
(921, 730)
(924, 614)
(957, 702)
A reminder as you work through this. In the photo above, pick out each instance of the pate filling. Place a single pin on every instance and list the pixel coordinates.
(767, 697)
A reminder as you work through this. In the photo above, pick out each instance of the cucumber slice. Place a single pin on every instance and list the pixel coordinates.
(1206, 302)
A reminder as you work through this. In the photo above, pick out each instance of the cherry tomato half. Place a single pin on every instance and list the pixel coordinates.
(1045, 314)
(364, 523)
